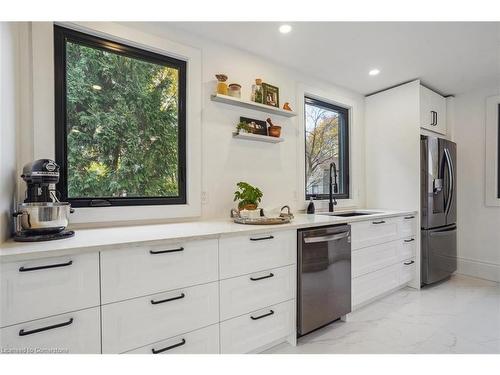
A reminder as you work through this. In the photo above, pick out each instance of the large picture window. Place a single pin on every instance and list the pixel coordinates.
(327, 141)
(120, 123)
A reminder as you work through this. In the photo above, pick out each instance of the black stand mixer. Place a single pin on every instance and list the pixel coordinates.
(42, 217)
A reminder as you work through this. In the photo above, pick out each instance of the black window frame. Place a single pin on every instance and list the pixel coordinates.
(344, 168)
(61, 36)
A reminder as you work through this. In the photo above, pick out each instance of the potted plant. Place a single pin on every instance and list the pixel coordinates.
(243, 126)
(248, 196)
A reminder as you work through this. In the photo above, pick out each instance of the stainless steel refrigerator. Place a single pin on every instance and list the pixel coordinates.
(439, 208)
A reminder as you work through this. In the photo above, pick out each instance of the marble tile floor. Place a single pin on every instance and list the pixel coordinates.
(460, 315)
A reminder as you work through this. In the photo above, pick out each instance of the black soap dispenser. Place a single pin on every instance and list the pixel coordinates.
(310, 207)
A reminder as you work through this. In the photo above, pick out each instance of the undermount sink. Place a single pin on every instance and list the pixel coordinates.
(347, 214)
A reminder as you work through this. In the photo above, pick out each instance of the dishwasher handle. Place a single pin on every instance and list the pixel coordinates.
(333, 237)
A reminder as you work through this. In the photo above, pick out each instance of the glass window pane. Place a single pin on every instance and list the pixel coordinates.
(324, 127)
(122, 125)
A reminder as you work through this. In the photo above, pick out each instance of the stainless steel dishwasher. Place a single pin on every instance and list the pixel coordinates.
(324, 276)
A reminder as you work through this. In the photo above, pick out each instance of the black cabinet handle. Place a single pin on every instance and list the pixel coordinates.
(27, 269)
(262, 238)
(168, 347)
(153, 302)
(409, 217)
(25, 333)
(271, 312)
(166, 251)
(378, 222)
(408, 263)
(262, 278)
(410, 240)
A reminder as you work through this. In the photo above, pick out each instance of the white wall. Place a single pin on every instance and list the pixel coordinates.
(8, 120)
(275, 168)
(479, 225)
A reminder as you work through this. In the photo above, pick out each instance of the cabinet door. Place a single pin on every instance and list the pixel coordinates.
(373, 232)
(148, 269)
(137, 322)
(34, 289)
(75, 333)
(373, 284)
(373, 258)
(249, 332)
(407, 271)
(201, 341)
(432, 111)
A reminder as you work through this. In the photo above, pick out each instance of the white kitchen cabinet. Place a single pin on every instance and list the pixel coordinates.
(241, 255)
(251, 331)
(432, 111)
(373, 232)
(137, 322)
(254, 291)
(373, 258)
(373, 284)
(407, 270)
(39, 288)
(76, 332)
(407, 226)
(407, 248)
(134, 272)
(201, 341)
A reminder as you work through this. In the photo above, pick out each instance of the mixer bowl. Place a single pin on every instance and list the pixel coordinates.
(43, 218)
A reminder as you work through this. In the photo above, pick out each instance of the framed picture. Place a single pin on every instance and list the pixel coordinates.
(271, 95)
(255, 126)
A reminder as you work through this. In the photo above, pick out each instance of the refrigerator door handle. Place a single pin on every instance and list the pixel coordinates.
(451, 187)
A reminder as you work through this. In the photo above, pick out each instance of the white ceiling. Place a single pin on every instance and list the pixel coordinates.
(451, 57)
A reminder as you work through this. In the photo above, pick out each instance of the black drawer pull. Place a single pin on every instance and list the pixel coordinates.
(410, 240)
(153, 302)
(409, 217)
(271, 312)
(262, 278)
(26, 269)
(168, 347)
(262, 238)
(378, 222)
(408, 263)
(166, 251)
(25, 333)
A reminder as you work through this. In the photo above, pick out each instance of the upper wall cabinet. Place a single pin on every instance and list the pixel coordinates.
(432, 111)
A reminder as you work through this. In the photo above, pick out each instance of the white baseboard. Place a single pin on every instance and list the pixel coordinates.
(481, 270)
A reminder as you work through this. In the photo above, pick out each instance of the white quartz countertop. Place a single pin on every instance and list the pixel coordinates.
(99, 239)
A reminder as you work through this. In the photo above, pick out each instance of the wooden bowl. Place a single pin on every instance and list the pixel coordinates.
(274, 131)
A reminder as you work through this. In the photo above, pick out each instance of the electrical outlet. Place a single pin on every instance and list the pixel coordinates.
(204, 197)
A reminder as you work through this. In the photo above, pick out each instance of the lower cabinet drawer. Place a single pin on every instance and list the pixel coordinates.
(256, 291)
(407, 226)
(407, 271)
(249, 332)
(407, 248)
(77, 333)
(375, 283)
(134, 323)
(373, 232)
(373, 258)
(201, 341)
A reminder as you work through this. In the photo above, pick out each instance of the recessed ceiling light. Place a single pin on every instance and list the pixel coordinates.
(285, 29)
(374, 72)
(96, 87)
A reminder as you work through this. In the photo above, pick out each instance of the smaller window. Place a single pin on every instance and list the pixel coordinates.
(327, 141)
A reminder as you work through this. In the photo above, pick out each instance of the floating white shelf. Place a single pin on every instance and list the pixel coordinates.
(252, 105)
(257, 137)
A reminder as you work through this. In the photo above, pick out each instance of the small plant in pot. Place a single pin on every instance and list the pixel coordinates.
(248, 196)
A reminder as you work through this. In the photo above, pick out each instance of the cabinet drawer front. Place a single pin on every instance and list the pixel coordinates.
(407, 226)
(246, 254)
(373, 258)
(76, 332)
(374, 284)
(129, 273)
(407, 248)
(373, 232)
(244, 334)
(201, 341)
(407, 271)
(255, 291)
(134, 323)
(43, 287)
